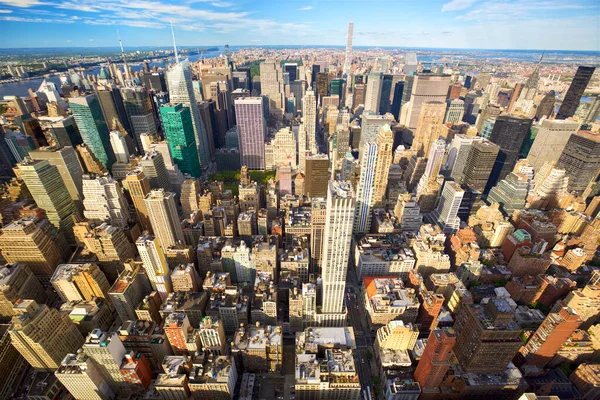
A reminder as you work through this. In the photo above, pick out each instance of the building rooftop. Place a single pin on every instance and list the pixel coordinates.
(313, 338)
(257, 337)
(388, 293)
(175, 319)
(183, 301)
(342, 189)
(211, 369)
(394, 358)
(402, 386)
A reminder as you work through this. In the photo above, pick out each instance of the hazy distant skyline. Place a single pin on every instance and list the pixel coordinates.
(503, 24)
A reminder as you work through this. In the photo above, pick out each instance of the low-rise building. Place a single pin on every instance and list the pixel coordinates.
(386, 299)
(213, 377)
(383, 255)
(325, 366)
(260, 348)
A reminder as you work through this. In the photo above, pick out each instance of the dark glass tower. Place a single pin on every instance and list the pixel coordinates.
(578, 84)
(509, 133)
(581, 160)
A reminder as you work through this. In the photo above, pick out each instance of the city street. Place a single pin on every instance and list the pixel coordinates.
(364, 339)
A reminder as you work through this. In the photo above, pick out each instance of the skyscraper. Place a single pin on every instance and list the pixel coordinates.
(80, 282)
(365, 189)
(104, 201)
(434, 164)
(50, 194)
(550, 141)
(92, 127)
(111, 102)
(425, 88)
(429, 126)
(155, 264)
(108, 243)
(154, 167)
(138, 107)
(546, 106)
(550, 336)
(455, 110)
(509, 133)
(410, 63)
(510, 193)
(373, 95)
(370, 127)
(35, 243)
(348, 57)
(578, 84)
(435, 361)
(138, 186)
(179, 81)
(446, 213)
(107, 350)
(119, 146)
(81, 375)
(179, 132)
(479, 164)
(337, 243)
(17, 282)
(581, 159)
(309, 121)
(43, 335)
(271, 85)
(164, 217)
(317, 175)
(252, 128)
(66, 161)
(487, 337)
(385, 142)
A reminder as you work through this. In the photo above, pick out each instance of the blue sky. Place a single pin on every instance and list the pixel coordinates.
(492, 24)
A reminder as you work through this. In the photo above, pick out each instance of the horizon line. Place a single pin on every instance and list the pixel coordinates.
(307, 46)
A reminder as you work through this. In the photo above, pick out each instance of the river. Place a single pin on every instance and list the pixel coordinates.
(21, 88)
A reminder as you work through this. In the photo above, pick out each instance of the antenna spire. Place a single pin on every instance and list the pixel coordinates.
(127, 74)
(174, 44)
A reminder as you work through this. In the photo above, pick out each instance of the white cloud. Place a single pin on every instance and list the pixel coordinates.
(37, 20)
(307, 8)
(221, 4)
(507, 10)
(456, 5)
(21, 3)
(5, 11)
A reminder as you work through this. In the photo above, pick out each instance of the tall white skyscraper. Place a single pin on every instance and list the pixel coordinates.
(348, 59)
(164, 218)
(252, 129)
(271, 85)
(373, 95)
(446, 213)
(155, 264)
(302, 148)
(337, 244)
(103, 201)
(365, 189)
(179, 82)
(434, 163)
(119, 146)
(309, 120)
